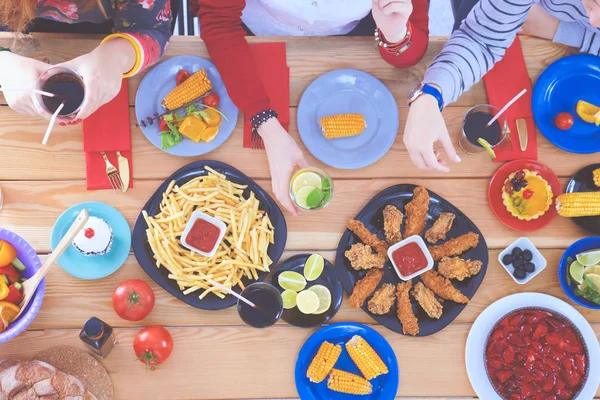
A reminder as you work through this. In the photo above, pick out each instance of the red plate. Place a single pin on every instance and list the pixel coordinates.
(495, 195)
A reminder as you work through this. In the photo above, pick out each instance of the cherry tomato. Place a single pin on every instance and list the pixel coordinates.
(153, 345)
(133, 300)
(212, 100)
(163, 125)
(181, 77)
(563, 121)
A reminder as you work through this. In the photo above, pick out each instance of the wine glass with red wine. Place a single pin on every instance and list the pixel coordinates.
(475, 127)
(67, 87)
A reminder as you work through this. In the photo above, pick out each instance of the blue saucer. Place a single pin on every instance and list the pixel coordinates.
(93, 267)
(558, 89)
(585, 244)
(385, 386)
(348, 91)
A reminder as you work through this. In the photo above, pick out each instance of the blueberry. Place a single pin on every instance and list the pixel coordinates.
(527, 256)
(518, 263)
(517, 187)
(516, 252)
(519, 274)
(507, 259)
(515, 181)
(529, 267)
(523, 183)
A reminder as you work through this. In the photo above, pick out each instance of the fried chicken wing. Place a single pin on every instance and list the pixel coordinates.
(383, 299)
(454, 247)
(410, 324)
(416, 212)
(443, 287)
(392, 219)
(361, 257)
(367, 237)
(427, 300)
(440, 228)
(365, 287)
(458, 268)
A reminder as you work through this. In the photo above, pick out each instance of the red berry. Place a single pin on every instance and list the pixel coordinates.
(549, 384)
(553, 338)
(509, 355)
(540, 331)
(503, 376)
(89, 233)
(520, 174)
(527, 194)
(508, 187)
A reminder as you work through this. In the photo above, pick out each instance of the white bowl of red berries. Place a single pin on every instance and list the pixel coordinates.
(522, 260)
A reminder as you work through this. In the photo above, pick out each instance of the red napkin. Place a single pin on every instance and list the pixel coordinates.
(508, 77)
(108, 130)
(272, 69)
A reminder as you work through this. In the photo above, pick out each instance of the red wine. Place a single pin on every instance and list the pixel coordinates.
(270, 304)
(475, 127)
(67, 89)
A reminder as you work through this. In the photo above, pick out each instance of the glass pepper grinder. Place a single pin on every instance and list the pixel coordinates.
(98, 337)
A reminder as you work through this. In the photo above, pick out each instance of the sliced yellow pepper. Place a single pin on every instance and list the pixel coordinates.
(211, 117)
(7, 253)
(209, 133)
(8, 312)
(4, 291)
(588, 112)
(193, 128)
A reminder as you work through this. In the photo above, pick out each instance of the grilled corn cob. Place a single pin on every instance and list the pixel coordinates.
(342, 125)
(192, 88)
(597, 177)
(365, 358)
(582, 204)
(345, 382)
(323, 362)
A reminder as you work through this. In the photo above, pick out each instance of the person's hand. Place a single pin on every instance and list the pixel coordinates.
(540, 24)
(102, 71)
(391, 17)
(424, 127)
(21, 72)
(284, 156)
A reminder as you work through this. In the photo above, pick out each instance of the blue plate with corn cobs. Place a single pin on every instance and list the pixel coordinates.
(382, 387)
(159, 82)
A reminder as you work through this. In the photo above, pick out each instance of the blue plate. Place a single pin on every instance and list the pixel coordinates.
(586, 244)
(558, 89)
(93, 267)
(385, 386)
(583, 181)
(144, 253)
(348, 91)
(160, 81)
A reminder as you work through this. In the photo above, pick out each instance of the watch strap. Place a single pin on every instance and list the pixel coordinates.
(433, 91)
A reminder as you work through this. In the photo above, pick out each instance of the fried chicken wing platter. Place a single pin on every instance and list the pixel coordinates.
(429, 302)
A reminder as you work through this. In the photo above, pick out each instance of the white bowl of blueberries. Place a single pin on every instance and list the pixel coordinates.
(522, 260)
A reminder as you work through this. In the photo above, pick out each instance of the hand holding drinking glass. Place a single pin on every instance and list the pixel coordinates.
(391, 17)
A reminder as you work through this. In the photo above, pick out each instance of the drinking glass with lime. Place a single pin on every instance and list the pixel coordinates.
(311, 188)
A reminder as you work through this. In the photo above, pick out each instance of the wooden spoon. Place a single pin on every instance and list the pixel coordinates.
(31, 284)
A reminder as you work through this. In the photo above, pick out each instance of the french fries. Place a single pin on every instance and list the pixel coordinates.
(243, 251)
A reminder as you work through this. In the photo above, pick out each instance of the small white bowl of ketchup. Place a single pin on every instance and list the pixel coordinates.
(410, 257)
(203, 234)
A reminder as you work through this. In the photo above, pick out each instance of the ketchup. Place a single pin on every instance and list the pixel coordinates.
(409, 259)
(203, 235)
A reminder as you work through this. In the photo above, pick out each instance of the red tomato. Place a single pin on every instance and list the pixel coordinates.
(181, 77)
(563, 121)
(212, 100)
(162, 126)
(153, 345)
(133, 300)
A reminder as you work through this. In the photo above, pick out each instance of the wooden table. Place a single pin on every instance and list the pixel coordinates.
(215, 355)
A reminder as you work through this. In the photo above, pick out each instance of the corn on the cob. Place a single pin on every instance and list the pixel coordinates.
(582, 204)
(345, 382)
(342, 125)
(192, 88)
(323, 362)
(365, 358)
(597, 177)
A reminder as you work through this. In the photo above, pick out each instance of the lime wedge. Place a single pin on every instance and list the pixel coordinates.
(324, 298)
(595, 269)
(486, 145)
(589, 258)
(306, 179)
(290, 280)
(315, 197)
(595, 278)
(576, 271)
(313, 267)
(289, 299)
(307, 302)
(302, 196)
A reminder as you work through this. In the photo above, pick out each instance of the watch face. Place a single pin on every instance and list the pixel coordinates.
(415, 93)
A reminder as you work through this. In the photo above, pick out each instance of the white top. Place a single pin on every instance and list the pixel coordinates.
(304, 17)
(97, 238)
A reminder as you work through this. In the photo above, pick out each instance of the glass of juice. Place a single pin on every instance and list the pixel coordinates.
(475, 127)
(67, 87)
(267, 298)
(311, 188)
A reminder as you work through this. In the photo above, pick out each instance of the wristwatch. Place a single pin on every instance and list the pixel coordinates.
(424, 88)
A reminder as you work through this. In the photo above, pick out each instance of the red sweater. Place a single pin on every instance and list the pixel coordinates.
(225, 38)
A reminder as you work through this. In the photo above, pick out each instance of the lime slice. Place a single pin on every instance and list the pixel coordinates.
(595, 269)
(314, 198)
(589, 258)
(302, 195)
(576, 271)
(324, 298)
(314, 267)
(289, 299)
(306, 179)
(308, 302)
(486, 145)
(595, 278)
(290, 280)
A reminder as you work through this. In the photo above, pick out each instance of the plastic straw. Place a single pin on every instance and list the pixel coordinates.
(51, 124)
(510, 103)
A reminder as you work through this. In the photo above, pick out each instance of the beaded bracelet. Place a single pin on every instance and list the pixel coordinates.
(262, 117)
(395, 48)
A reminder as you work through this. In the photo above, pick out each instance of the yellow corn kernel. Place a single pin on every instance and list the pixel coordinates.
(597, 177)
(342, 125)
(582, 204)
(366, 359)
(323, 362)
(345, 382)
(192, 88)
